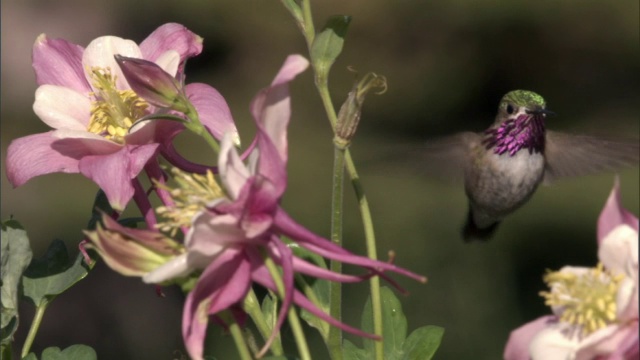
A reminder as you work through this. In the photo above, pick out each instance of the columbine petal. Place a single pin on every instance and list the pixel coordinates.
(62, 107)
(100, 53)
(233, 172)
(59, 62)
(222, 284)
(151, 82)
(131, 252)
(613, 214)
(114, 172)
(175, 268)
(271, 110)
(551, 343)
(519, 340)
(31, 156)
(213, 110)
(618, 251)
(323, 247)
(171, 36)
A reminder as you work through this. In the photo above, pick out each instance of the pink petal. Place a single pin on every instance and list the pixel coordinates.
(212, 109)
(114, 172)
(323, 247)
(171, 155)
(233, 173)
(153, 131)
(59, 62)
(100, 53)
(551, 343)
(171, 36)
(520, 339)
(224, 283)
(604, 341)
(613, 214)
(271, 107)
(261, 276)
(33, 155)
(210, 234)
(62, 107)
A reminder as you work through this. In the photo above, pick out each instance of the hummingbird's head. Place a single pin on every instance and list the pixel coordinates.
(519, 124)
(521, 102)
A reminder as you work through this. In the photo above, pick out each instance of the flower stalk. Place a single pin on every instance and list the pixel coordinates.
(33, 329)
(252, 307)
(292, 316)
(321, 82)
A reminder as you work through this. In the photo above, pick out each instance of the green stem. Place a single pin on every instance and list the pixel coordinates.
(238, 336)
(35, 325)
(323, 90)
(335, 294)
(374, 282)
(308, 28)
(252, 307)
(292, 316)
(196, 126)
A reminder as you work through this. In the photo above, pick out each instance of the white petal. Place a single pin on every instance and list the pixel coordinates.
(233, 172)
(169, 62)
(551, 344)
(62, 108)
(100, 52)
(619, 250)
(174, 268)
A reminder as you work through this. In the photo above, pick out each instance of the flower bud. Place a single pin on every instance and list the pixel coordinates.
(349, 115)
(131, 252)
(152, 83)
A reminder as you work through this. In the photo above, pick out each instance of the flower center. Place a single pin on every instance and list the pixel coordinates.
(114, 111)
(193, 193)
(587, 301)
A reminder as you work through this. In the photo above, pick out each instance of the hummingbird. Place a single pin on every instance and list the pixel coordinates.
(504, 165)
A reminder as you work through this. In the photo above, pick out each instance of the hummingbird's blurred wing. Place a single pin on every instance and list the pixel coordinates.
(576, 155)
(446, 158)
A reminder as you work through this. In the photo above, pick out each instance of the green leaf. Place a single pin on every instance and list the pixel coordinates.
(318, 293)
(286, 357)
(49, 276)
(327, 45)
(31, 356)
(394, 324)
(423, 343)
(15, 257)
(270, 310)
(352, 352)
(73, 352)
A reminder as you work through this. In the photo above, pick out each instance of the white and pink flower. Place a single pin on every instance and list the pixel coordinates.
(595, 309)
(85, 98)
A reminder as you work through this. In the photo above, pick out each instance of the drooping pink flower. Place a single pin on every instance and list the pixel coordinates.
(595, 309)
(230, 237)
(85, 98)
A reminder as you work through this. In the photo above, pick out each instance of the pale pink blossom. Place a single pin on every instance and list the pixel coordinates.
(601, 324)
(84, 97)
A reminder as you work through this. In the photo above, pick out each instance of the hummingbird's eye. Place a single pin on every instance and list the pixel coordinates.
(510, 109)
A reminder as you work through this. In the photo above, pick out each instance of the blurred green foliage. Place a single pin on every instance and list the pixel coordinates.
(447, 63)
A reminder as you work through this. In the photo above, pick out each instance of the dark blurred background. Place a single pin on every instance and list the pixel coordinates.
(447, 63)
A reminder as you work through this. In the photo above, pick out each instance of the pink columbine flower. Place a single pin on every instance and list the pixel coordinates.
(595, 309)
(85, 98)
(230, 237)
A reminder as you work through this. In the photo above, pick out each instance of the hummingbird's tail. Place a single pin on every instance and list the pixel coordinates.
(471, 231)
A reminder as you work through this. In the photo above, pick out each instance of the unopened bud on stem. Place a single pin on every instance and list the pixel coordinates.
(152, 83)
(349, 115)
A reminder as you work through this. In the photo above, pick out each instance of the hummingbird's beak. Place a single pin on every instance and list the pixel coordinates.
(540, 111)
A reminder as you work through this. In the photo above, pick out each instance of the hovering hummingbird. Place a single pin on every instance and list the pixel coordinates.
(504, 164)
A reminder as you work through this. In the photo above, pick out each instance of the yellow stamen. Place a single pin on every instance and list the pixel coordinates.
(114, 111)
(192, 194)
(587, 300)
